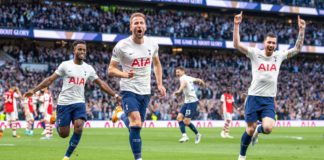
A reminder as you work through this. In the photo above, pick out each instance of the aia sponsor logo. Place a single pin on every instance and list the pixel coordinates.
(267, 67)
(141, 62)
(76, 80)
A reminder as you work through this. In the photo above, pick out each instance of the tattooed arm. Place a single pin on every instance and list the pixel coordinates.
(300, 40)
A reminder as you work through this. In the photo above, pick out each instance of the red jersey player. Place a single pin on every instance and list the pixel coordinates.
(227, 106)
(11, 108)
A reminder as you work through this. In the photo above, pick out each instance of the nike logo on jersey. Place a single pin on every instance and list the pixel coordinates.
(267, 67)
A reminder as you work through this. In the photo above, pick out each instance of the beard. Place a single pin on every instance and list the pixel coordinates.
(81, 57)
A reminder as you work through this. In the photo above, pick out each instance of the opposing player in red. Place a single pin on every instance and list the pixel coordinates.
(47, 100)
(227, 106)
(30, 114)
(11, 108)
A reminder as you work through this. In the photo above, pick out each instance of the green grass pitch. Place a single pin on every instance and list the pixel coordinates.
(162, 144)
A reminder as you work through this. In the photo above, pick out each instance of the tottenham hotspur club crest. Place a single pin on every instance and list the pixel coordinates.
(275, 58)
(149, 51)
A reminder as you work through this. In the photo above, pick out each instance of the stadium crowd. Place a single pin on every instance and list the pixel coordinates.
(178, 24)
(300, 87)
(301, 3)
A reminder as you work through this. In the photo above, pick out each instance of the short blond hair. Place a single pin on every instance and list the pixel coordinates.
(137, 14)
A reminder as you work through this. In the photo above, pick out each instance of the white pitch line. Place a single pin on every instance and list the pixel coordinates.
(295, 137)
(7, 144)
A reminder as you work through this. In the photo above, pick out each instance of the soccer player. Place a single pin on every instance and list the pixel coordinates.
(260, 103)
(30, 113)
(11, 108)
(47, 100)
(135, 54)
(227, 105)
(71, 101)
(188, 110)
(41, 109)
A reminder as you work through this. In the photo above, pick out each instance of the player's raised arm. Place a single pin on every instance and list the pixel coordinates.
(104, 87)
(158, 75)
(236, 34)
(300, 39)
(45, 83)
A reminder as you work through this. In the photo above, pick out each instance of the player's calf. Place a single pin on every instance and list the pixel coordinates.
(136, 141)
(255, 136)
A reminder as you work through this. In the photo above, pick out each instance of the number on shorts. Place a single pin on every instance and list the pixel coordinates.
(188, 112)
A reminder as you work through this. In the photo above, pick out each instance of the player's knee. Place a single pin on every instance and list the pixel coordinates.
(250, 130)
(63, 134)
(186, 122)
(267, 129)
(137, 123)
(179, 118)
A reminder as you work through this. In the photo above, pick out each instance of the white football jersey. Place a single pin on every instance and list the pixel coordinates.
(137, 57)
(41, 99)
(265, 71)
(74, 79)
(189, 90)
(47, 101)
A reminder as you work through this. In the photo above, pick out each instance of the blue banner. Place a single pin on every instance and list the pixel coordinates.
(198, 43)
(16, 32)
